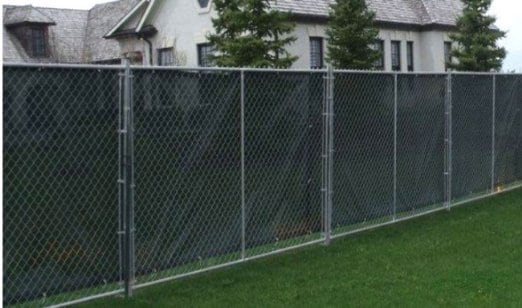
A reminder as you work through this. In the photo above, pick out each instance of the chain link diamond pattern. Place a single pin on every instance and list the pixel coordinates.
(472, 134)
(60, 192)
(508, 130)
(187, 132)
(230, 165)
(283, 129)
(363, 143)
(420, 142)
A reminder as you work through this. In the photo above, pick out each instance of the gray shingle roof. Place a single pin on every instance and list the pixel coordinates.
(23, 14)
(12, 50)
(67, 36)
(102, 18)
(443, 12)
(415, 12)
(76, 36)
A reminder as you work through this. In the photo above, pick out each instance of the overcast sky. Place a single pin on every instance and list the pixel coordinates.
(508, 13)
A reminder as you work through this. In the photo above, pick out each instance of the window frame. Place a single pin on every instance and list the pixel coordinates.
(38, 47)
(448, 59)
(410, 56)
(163, 51)
(379, 64)
(203, 7)
(320, 41)
(398, 67)
(202, 10)
(202, 50)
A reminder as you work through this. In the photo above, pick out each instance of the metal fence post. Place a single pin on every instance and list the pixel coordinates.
(324, 163)
(243, 210)
(121, 177)
(448, 168)
(127, 179)
(327, 165)
(493, 132)
(331, 143)
(395, 98)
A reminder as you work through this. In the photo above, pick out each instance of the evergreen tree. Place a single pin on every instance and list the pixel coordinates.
(351, 34)
(476, 39)
(249, 34)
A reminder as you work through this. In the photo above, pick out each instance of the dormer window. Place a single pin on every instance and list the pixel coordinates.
(38, 42)
(203, 3)
(31, 27)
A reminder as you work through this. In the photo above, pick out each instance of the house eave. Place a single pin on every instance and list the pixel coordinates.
(308, 18)
(146, 31)
(29, 23)
(114, 30)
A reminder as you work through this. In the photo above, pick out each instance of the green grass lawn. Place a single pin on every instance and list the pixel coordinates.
(471, 256)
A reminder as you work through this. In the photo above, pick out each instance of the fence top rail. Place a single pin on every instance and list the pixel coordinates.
(424, 73)
(167, 68)
(235, 69)
(64, 65)
(486, 73)
(229, 69)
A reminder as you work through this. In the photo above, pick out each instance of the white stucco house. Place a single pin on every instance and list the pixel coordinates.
(413, 33)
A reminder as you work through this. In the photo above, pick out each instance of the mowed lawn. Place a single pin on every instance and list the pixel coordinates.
(471, 256)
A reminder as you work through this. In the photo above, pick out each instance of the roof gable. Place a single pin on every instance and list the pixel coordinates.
(131, 19)
(101, 19)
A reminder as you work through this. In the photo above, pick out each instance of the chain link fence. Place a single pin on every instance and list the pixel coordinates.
(118, 178)
(60, 184)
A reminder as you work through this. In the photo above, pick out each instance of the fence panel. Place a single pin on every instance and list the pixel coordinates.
(508, 131)
(188, 201)
(420, 142)
(283, 131)
(364, 150)
(229, 165)
(472, 100)
(60, 184)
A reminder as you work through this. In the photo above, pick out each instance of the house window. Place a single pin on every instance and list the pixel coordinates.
(38, 46)
(396, 55)
(447, 55)
(166, 57)
(205, 52)
(379, 47)
(409, 52)
(203, 3)
(316, 52)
